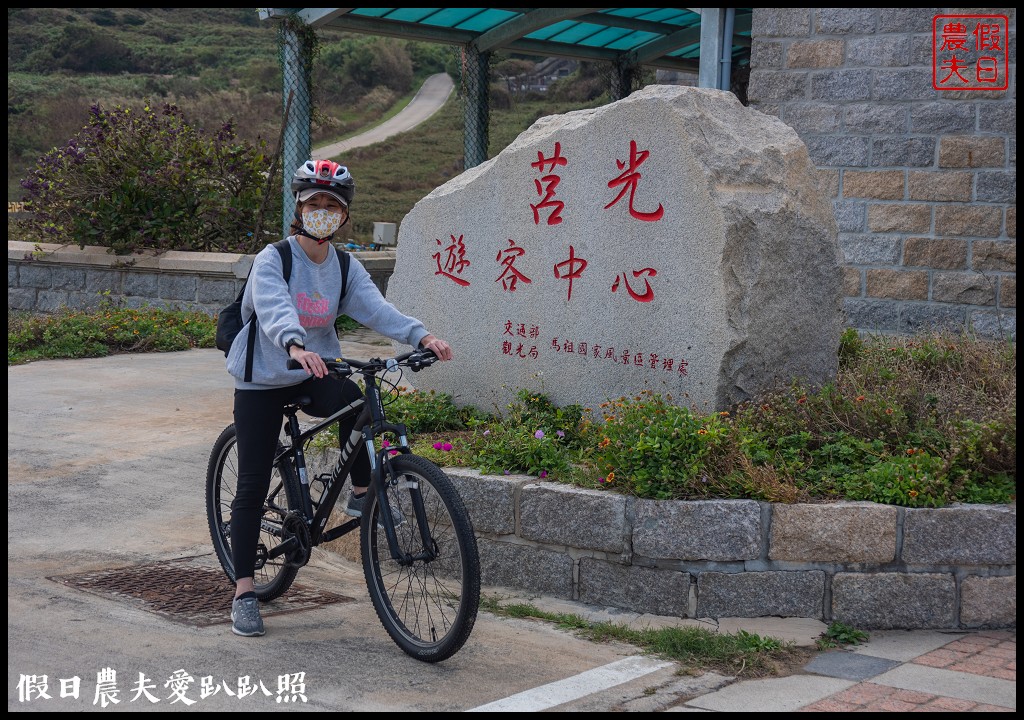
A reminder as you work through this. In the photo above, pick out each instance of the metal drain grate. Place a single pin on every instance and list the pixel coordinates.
(186, 592)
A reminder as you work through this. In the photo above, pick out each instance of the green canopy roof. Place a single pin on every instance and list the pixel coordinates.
(668, 38)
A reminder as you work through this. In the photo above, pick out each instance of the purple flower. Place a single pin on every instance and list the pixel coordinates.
(437, 446)
(539, 434)
(486, 433)
(507, 472)
(560, 433)
(446, 447)
(543, 473)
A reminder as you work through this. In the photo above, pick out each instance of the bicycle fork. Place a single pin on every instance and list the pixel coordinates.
(385, 478)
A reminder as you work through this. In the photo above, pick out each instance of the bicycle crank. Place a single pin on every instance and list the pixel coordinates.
(296, 535)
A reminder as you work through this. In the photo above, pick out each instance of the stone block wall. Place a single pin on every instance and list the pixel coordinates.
(48, 277)
(867, 565)
(924, 181)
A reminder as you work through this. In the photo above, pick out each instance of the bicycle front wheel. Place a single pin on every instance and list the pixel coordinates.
(428, 599)
(272, 576)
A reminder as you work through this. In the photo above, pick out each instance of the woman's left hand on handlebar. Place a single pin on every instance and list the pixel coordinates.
(311, 362)
(438, 346)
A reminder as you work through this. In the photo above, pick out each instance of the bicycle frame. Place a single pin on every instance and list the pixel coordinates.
(370, 423)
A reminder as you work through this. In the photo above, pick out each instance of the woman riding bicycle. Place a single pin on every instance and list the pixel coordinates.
(296, 320)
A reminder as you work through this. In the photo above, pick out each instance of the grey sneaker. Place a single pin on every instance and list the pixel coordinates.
(354, 507)
(245, 617)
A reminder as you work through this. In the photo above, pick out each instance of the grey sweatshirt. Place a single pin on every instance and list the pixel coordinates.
(305, 309)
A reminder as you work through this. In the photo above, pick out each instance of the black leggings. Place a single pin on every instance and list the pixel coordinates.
(259, 417)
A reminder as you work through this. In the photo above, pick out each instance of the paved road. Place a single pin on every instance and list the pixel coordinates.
(430, 98)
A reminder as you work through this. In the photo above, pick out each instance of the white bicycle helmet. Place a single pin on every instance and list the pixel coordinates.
(315, 176)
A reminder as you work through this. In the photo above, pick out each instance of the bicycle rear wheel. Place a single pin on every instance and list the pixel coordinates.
(272, 576)
(428, 606)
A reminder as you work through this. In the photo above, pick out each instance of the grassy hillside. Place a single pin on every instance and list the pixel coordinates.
(222, 63)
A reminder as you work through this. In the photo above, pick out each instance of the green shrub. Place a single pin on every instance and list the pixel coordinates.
(912, 480)
(650, 447)
(105, 331)
(427, 411)
(141, 179)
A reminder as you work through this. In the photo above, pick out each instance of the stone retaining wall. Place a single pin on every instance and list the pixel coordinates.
(869, 566)
(48, 277)
(866, 565)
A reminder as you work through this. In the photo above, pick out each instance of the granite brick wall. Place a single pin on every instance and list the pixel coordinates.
(49, 277)
(867, 565)
(924, 181)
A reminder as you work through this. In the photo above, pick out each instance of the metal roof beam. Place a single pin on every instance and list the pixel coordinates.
(375, 26)
(662, 46)
(525, 24)
(618, 21)
(629, 23)
(318, 17)
(579, 52)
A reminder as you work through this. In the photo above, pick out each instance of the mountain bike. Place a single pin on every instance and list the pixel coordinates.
(419, 558)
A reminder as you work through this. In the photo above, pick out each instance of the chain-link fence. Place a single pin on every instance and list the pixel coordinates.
(475, 96)
(298, 48)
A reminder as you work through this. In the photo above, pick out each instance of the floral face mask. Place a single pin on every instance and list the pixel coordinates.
(321, 223)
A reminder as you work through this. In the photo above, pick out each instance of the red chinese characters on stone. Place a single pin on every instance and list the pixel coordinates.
(628, 179)
(647, 295)
(648, 361)
(511, 276)
(570, 269)
(454, 261)
(520, 330)
(546, 186)
(519, 349)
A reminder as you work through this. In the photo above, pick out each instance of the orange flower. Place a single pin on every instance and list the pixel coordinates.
(888, 411)
(802, 400)
(910, 451)
(912, 493)
(702, 431)
(860, 398)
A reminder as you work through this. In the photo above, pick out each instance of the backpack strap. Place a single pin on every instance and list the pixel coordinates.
(343, 258)
(284, 249)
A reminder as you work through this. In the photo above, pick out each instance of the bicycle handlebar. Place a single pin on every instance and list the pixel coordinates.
(415, 360)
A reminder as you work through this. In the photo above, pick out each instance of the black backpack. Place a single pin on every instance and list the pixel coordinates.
(230, 323)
